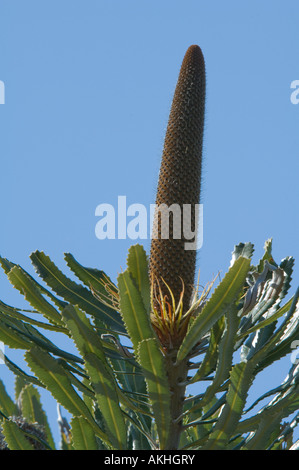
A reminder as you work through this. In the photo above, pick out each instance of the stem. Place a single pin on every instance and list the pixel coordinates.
(177, 374)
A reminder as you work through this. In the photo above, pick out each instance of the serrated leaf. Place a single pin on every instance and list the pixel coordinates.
(33, 412)
(52, 375)
(133, 311)
(20, 335)
(74, 293)
(138, 266)
(100, 373)
(86, 339)
(12, 337)
(242, 249)
(224, 295)
(83, 436)
(7, 405)
(281, 341)
(267, 256)
(225, 358)
(152, 362)
(21, 374)
(240, 381)
(8, 265)
(107, 398)
(96, 280)
(209, 361)
(16, 313)
(27, 287)
(14, 437)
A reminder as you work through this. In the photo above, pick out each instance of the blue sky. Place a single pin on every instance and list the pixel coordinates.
(88, 88)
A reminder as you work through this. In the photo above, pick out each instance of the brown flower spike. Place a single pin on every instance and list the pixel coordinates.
(172, 267)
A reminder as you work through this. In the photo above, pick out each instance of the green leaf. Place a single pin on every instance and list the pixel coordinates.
(133, 311)
(86, 339)
(11, 336)
(83, 436)
(241, 378)
(225, 358)
(137, 263)
(74, 293)
(24, 284)
(107, 398)
(14, 437)
(267, 256)
(152, 362)
(281, 341)
(242, 249)
(100, 373)
(263, 436)
(7, 405)
(223, 297)
(16, 313)
(21, 374)
(8, 265)
(20, 335)
(33, 412)
(96, 280)
(53, 376)
(209, 361)
(268, 320)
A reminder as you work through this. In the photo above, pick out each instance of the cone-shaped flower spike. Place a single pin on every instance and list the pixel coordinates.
(172, 267)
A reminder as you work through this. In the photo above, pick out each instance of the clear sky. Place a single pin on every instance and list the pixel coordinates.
(88, 88)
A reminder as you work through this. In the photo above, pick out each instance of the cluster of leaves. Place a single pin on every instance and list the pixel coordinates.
(119, 396)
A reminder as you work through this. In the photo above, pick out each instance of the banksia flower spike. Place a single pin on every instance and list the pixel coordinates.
(171, 265)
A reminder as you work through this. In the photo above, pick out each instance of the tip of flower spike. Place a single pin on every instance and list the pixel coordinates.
(194, 52)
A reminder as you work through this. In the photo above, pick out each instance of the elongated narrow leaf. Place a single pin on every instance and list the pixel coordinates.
(11, 336)
(20, 335)
(17, 313)
(52, 375)
(240, 381)
(8, 265)
(281, 341)
(107, 398)
(85, 337)
(89, 276)
(242, 249)
(270, 319)
(224, 295)
(97, 280)
(83, 436)
(211, 356)
(138, 266)
(152, 362)
(225, 358)
(264, 434)
(19, 373)
(7, 405)
(23, 283)
(33, 412)
(267, 256)
(74, 293)
(14, 437)
(133, 311)
(100, 373)
(283, 404)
